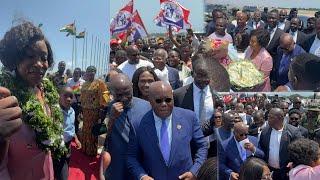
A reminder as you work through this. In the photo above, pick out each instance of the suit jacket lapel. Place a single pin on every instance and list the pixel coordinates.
(188, 98)
(236, 154)
(268, 135)
(283, 143)
(151, 131)
(175, 135)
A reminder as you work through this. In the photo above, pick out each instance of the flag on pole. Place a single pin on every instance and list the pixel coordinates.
(122, 21)
(81, 35)
(69, 28)
(174, 14)
(139, 30)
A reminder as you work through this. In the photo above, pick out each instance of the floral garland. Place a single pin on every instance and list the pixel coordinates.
(49, 130)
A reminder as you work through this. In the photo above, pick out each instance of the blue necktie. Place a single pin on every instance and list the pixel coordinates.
(164, 141)
(243, 154)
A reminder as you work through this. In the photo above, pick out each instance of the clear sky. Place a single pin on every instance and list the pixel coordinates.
(272, 3)
(148, 10)
(54, 14)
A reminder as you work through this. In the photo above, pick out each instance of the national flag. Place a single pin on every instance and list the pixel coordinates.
(139, 30)
(81, 35)
(174, 14)
(123, 19)
(69, 28)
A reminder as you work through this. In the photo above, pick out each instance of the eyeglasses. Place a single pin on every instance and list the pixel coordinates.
(285, 49)
(267, 176)
(167, 100)
(243, 135)
(217, 116)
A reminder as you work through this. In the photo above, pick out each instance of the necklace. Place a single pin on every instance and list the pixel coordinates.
(47, 127)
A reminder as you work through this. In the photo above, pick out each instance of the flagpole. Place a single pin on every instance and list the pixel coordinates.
(72, 51)
(98, 56)
(91, 50)
(83, 48)
(75, 45)
(103, 58)
(95, 51)
(86, 37)
(75, 59)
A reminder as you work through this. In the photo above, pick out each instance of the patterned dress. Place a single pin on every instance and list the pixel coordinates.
(94, 96)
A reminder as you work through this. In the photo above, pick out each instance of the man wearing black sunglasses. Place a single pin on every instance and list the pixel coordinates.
(161, 148)
(237, 150)
(295, 120)
(287, 50)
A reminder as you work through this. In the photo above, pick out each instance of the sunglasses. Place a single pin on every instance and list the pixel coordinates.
(218, 116)
(285, 49)
(294, 118)
(243, 135)
(167, 100)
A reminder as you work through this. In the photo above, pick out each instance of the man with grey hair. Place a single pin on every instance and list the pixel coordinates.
(165, 73)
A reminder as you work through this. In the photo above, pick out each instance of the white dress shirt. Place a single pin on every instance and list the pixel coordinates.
(282, 25)
(294, 35)
(274, 148)
(272, 34)
(315, 47)
(158, 124)
(208, 101)
(129, 69)
(163, 75)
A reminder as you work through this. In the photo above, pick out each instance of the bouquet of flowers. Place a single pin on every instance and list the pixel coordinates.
(244, 74)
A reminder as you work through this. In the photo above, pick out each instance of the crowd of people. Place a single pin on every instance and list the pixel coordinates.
(267, 138)
(159, 105)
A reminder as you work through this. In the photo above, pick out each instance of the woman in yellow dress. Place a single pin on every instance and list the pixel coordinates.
(94, 96)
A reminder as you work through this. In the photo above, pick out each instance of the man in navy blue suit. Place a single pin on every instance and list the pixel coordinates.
(125, 114)
(161, 148)
(237, 150)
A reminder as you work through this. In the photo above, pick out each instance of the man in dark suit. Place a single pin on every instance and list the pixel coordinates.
(258, 124)
(295, 120)
(283, 23)
(312, 45)
(287, 50)
(164, 72)
(161, 148)
(125, 113)
(274, 141)
(298, 36)
(256, 22)
(198, 96)
(237, 150)
(275, 34)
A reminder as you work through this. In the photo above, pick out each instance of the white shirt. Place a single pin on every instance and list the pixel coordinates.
(158, 124)
(163, 75)
(272, 34)
(129, 69)
(274, 148)
(294, 35)
(315, 48)
(227, 37)
(256, 25)
(208, 101)
(282, 25)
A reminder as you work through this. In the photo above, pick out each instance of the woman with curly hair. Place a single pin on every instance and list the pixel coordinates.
(305, 157)
(26, 55)
(141, 80)
(260, 57)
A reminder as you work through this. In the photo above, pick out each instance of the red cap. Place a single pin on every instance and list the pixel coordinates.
(113, 41)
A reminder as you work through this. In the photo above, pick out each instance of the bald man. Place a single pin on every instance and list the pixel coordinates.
(298, 36)
(283, 23)
(287, 50)
(164, 72)
(125, 114)
(274, 141)
(242, 26)
(161, 148)
(237, 150)
(134, 61)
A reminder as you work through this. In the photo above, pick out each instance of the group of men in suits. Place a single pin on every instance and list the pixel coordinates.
(266, 136)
